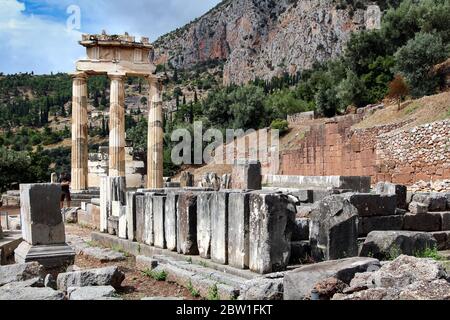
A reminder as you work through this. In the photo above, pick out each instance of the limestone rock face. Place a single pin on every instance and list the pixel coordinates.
(261, 38)
(385, 244)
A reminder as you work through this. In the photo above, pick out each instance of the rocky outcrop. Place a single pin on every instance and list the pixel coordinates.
(261, 38)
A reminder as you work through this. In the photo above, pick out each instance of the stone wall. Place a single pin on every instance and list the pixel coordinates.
(385, 153)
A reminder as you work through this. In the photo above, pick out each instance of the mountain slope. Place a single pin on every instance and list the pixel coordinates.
(262, 38)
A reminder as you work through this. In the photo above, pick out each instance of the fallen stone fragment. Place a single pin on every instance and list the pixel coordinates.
(390, 244)
(94, 277)
(20, 272)
(50, 282)
(269, 287)
(309, 275)
(418, 208)
(90, 293)
(30, 293)
(375, 294)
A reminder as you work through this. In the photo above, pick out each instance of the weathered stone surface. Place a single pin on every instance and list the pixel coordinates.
(300, 252)
(422, 222)
(320, 183)
(269, 287)
(407, 269)
(20, 272)
(390, 244)
(159, 221)
(380, 223)
(144, 263)
(426, 290)
(187, 224)
(299, 282)
(418, 208)
(246, 175)
(30, 293)
(131, 215)
(301, 229)
(435, 201)
(104, 255)
(211, 180)
(393, 189)
(186, 179)
(404, 278)
(238, 230)
(270, 234)
(90, 293)
(149, 231)
(369, 205)
(122, 222)
(140, 217)
(162, 299)
(334, 230)
(204, 233)
(445, 220)
(50, 256)
(170, 225)
(442, 239)
(31, 283)
(41, 214)
(219, 228)
(325, 289)
(93, 277)
(113, 225)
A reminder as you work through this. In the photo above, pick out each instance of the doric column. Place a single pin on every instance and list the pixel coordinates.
(79, 133)
(155, 152)
(117, 127)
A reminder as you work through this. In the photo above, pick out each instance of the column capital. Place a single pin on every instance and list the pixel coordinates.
(115, 76)
(79, 75)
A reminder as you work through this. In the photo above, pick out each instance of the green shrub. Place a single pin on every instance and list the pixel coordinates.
(157, 275)
(281, 125)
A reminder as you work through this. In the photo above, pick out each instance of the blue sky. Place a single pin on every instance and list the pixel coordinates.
(34, 35)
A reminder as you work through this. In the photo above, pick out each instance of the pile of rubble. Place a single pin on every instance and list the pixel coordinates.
(432, 186)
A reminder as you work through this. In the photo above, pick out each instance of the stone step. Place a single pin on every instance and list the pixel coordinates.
(202, 285)
(203, 271)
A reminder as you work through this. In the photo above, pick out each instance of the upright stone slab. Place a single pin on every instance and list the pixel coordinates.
(219, 227)
(246, 175)
(170, 226)
(238, 230)
(42, 227)
(159, 221)
(334, 230)
(140, 217)
(123, 222)
(187, 224)
(104, 204)
(270, 234)
(149, 235)
(204, 212)
(131, 215)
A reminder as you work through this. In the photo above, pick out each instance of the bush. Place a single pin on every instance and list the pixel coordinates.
(416, 59)
(281, 125)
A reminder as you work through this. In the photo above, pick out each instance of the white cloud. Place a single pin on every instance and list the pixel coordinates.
(42, 44)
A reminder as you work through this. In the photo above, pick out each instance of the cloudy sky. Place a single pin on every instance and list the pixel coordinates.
(41, 35)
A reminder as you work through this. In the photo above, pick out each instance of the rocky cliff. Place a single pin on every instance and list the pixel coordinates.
(263, 38)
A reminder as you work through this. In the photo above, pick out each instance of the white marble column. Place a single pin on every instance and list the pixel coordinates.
(155, 152)
(117, 127)
(79, 133)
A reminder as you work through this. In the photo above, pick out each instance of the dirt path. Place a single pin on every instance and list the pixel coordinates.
(136, 285)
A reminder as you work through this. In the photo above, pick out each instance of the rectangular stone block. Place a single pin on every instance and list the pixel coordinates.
(187, 224)
(122, 222)
(40, 213)
(170, 226)
(381, 223)
(422, 222)
(104, 204)
(270, 235)
(219, 228)
(445, 219)
(131, 215)
(369, 205)
(140, 217)
(238, 230)
(158, 221)
(149, 234)
(204, 212)
(436, 201)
